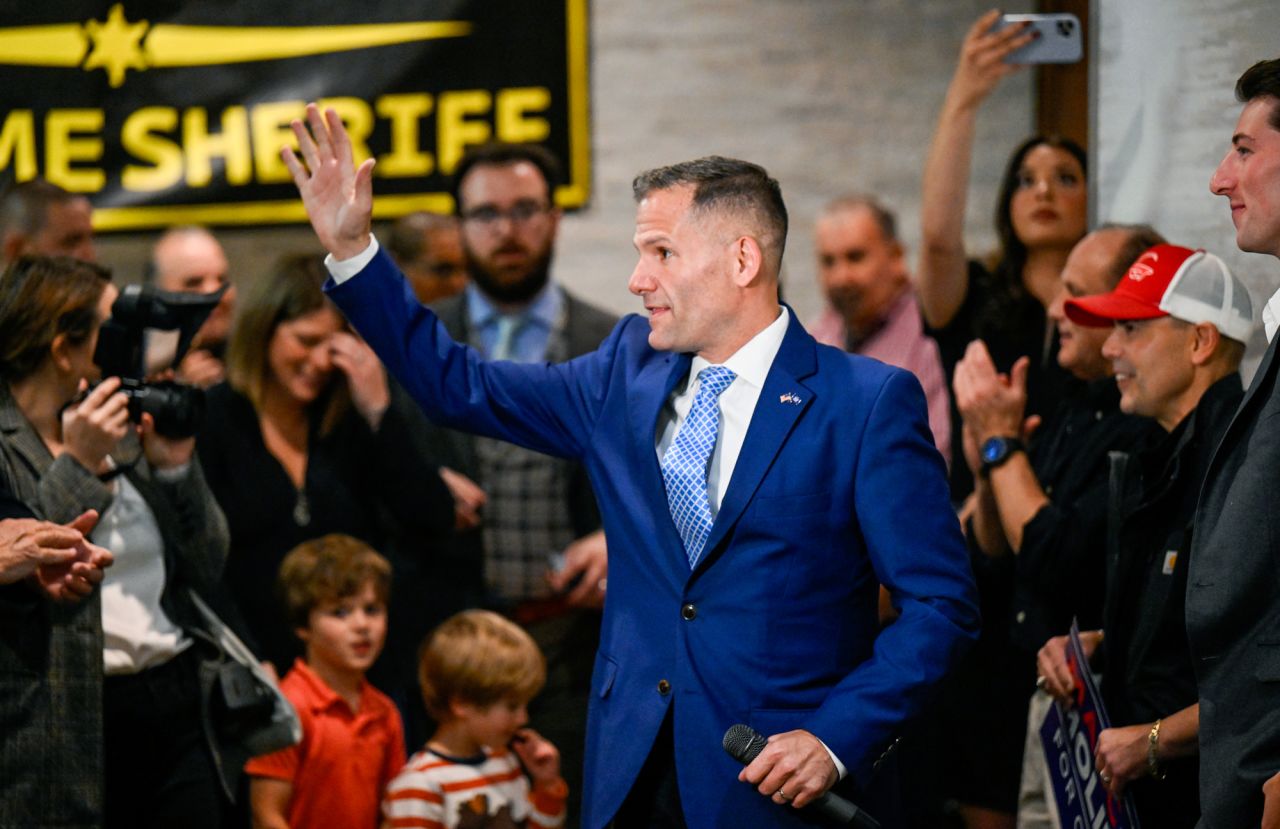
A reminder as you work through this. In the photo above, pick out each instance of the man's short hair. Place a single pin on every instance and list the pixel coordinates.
(151, 271)
(1260, 81)
(328, 569)
(25, 207)
(480, 658)
(727, 185)
(407, 238)
(498, 154)
(883, 216)
(1140, 238)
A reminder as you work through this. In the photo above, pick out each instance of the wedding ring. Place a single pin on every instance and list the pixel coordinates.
(602, 585)
(1106, 778)
(1041, 682)
(783, 795)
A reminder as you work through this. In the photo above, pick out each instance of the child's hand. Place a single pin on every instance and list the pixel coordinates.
(540, 758)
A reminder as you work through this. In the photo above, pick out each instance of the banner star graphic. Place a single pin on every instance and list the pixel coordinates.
(117, 45)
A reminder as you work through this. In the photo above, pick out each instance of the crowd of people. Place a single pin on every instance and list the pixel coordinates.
(413, 450)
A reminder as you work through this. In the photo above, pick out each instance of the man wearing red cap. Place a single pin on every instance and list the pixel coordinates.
(1180, 320)
(1233, 593)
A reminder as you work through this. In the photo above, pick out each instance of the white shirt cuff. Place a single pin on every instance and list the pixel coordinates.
(343, 270)
(840, 769)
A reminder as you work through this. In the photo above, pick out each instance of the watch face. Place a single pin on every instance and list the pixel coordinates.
(994, 449)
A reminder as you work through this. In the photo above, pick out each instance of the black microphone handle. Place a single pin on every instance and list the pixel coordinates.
(743, 743)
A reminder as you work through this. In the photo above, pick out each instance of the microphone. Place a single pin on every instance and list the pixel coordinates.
(743, 744)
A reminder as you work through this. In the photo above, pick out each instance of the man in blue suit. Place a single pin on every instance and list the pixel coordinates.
(756, 490)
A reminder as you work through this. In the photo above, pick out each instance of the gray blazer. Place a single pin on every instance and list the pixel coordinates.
(586, 327)
(51, 655)
(1233, 609)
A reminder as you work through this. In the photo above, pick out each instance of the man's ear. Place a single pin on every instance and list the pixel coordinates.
(303, 633)
(748, 260)
(1205, 343)
(60, 352)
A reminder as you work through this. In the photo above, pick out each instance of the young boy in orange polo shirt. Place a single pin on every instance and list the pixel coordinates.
(335, 589)
(478, 671)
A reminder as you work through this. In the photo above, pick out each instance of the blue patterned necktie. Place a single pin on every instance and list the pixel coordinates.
(684, 466)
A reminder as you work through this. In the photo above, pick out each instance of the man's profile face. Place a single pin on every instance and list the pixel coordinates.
(684, 275)
(1152, 363)
(1249, 176)
(67, 231)
(441, 268)
(1084, 274)
(194, 263)
(861, 271)
(508, 229)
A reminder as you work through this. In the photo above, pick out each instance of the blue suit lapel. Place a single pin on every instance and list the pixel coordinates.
(645, 399)
(782, 401)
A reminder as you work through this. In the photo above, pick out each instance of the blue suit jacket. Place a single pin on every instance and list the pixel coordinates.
(838, 489)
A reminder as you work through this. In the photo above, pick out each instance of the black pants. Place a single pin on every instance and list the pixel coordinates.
(654, 799)
(158, 768)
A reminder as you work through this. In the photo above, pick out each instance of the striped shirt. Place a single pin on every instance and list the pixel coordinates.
(435, 791)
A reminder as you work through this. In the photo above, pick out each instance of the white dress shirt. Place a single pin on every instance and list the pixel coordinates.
(751, 365)
(1271, 316)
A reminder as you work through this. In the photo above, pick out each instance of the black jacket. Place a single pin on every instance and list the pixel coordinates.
(1147, 672)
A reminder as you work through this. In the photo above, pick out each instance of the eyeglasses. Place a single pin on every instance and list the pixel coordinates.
(521, 213)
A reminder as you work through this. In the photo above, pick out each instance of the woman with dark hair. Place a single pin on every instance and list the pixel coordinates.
(302, 441)
(100, 703)
(1040, 215)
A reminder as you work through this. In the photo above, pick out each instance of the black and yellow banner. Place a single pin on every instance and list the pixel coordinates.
(167, 113)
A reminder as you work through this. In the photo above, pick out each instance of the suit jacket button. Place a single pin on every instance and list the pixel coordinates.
(664, 687)
(689, 612)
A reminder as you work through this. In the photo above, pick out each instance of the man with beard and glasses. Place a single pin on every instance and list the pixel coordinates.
(872, 308)
(530, 518)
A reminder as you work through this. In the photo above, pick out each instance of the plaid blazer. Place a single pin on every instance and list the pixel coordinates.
(51, 654)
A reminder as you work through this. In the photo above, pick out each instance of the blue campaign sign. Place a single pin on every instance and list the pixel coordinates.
(1069, 736)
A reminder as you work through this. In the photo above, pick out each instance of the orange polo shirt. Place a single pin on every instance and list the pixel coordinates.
(345, 759)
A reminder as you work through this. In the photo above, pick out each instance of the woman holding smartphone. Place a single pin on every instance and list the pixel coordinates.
(1040, 215)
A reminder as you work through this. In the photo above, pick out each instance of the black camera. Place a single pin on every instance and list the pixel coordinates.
(149, 331)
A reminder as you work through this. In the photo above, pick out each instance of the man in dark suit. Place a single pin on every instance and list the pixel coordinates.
(516, 507)
(757, 489)
(1233, 594)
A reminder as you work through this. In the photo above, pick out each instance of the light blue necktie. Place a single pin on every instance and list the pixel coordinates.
(684, 466)
(504, 339)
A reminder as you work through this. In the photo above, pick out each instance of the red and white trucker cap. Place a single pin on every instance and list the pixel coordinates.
(1168, 280)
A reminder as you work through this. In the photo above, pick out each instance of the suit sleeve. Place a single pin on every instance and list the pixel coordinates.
(548, 408)
(914, 543)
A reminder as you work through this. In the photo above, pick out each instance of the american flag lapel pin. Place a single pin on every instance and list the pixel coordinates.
(790, 397)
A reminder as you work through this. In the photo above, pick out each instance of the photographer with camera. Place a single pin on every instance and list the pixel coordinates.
(118, 713)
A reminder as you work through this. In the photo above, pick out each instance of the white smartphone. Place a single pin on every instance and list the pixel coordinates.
(1060, 38)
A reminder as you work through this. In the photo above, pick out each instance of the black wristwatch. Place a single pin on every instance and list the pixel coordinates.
(997, 450)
